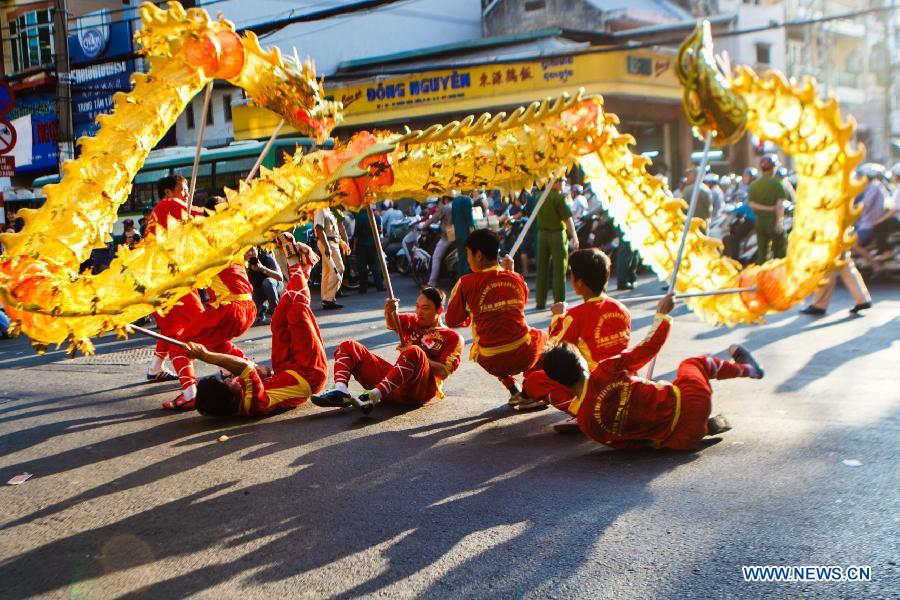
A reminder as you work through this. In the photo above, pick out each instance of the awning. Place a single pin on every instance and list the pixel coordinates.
(375, 100)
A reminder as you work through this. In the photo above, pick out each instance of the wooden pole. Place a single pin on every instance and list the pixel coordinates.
(135, 329)
(695, 193)
(638, 299)
(384, 270)
(532, 217)
(265, 151)
(193, 186)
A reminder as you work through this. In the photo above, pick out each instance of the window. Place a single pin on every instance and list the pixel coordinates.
(209, 115)
(31, 39)
(532, 5)
(189, 115)
(226, 107)
(763, 54)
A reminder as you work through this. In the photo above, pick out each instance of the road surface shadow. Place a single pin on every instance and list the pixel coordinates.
(417, 493)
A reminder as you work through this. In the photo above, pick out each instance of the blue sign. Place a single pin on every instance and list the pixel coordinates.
(96, 37)
(93, 86)
(44, 130)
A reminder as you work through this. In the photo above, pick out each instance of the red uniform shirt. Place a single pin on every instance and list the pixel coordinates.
(174, 208)
(283, 390)
(493, 301)
(230, 285)
(440, 344)
(623, 410)
(599, 328)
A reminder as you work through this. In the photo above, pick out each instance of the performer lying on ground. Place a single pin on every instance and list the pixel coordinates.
(173, 191)
(431, 355)
(493, 300)
(621, 410)
(229, 314)
(599, 328)
(299, 365)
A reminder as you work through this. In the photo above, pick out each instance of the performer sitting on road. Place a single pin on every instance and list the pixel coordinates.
(599, 328)
(299, 364)
(430, 354)
(493, 300)
(229, 314)
(621, 410)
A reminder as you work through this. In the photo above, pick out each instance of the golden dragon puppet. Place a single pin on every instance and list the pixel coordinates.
(52, 302)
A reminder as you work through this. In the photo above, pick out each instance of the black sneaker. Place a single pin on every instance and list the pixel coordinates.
(566, 428)
(859, 307)
(814, 311)
(331, 399)
(331, 305)
(742, 355)
(717, 424)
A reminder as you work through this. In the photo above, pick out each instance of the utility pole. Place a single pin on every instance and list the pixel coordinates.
(65, 134)
(889, 50)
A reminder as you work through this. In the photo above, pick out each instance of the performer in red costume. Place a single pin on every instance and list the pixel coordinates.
(621, 410)
(173, 191)
(492, 299)
(599, 328)
(431, 354)
(299, 364)
(229, 314)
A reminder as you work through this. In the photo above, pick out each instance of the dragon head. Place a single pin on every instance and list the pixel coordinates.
(286, 86)
(709, 102)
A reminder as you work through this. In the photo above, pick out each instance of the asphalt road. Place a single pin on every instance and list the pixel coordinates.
(459, 499)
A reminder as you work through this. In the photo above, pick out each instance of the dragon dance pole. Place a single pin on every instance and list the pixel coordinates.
(532, 217)
(265, 151)
(695, 193)
(193, 188)
(638, 299)
(384, 271)
(135, 329)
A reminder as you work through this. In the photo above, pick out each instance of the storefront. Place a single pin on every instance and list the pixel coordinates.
(640, 86)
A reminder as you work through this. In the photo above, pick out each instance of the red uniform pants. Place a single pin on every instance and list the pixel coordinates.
(215, 327)
(408, 381)
(296, 340)
(507, 364)
(174, 322)
(696, 398)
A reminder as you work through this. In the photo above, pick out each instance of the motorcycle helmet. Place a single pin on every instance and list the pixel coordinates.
(769, 162)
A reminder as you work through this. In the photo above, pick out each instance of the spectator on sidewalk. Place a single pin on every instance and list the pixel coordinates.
(854, 283)
(463, 224)
(331, 238)
(390, 216)
(367, 260)
(554, 222)
(267, 280)
(766, 196)
(444, 216)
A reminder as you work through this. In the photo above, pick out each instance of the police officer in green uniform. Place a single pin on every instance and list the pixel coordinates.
(766, 196)
(553, 222)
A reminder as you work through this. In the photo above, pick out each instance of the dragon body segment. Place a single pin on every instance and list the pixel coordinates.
(53, 303)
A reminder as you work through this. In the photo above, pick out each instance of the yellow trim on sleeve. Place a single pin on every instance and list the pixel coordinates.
(248, 387)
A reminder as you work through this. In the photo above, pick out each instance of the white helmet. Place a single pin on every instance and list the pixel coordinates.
(895, 170)
(871, 170)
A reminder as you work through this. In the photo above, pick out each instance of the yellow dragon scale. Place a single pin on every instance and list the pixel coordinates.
(52, 303)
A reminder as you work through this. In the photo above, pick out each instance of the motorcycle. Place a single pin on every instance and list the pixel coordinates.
(421, 262)
(395, 253)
